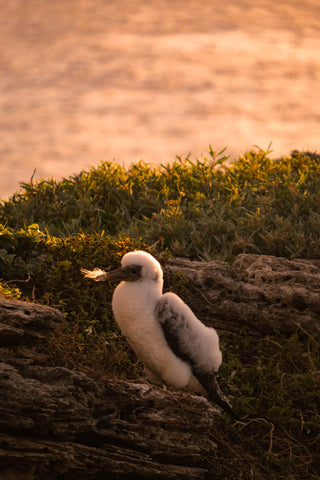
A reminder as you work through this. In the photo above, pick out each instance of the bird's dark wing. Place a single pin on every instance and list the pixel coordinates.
(176, 328)
(173, 323)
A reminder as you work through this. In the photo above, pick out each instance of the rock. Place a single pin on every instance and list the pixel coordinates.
(26, 322)
(56, 423)
(259, 292)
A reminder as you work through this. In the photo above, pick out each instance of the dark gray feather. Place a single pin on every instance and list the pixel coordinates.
(173, 322)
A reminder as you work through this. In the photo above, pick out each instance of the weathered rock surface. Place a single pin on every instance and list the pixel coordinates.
(59, 424)
(23, 322)
(260, 292)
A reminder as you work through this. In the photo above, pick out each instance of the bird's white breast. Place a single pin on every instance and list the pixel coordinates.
(133, 306)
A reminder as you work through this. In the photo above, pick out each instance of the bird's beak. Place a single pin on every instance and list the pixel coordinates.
(129, 274)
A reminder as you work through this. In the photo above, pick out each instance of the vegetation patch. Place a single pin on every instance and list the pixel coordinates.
(201, 209)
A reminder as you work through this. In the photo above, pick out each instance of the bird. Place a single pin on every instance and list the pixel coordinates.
(174, 346)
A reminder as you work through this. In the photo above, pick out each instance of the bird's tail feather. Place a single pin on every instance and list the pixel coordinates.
(215, 393)
(97, 274)
(210, 383)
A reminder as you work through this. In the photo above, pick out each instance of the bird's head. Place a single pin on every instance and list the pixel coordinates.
(137, 265)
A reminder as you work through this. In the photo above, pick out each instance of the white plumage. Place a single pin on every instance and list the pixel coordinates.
(174, 346)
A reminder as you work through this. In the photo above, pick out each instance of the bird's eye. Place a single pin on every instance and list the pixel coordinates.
(135, 269)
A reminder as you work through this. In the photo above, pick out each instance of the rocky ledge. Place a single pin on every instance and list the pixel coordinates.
(56, 423)
(260, 292)
(60, 424)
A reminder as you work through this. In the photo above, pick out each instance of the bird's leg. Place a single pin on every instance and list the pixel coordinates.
(152, 376)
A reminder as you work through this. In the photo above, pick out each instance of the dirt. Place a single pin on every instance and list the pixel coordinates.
(83, 81)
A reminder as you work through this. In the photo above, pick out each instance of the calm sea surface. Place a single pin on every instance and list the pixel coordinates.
(124, 80)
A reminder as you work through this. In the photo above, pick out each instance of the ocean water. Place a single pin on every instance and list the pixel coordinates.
(87, 80)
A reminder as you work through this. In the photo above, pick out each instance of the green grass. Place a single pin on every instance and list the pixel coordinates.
(202, 210)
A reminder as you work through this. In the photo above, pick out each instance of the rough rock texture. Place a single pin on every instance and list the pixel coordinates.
(23, 322)
(260, 292)
(59, 424)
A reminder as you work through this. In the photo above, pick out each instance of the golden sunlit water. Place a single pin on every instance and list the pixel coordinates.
(83, 81)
